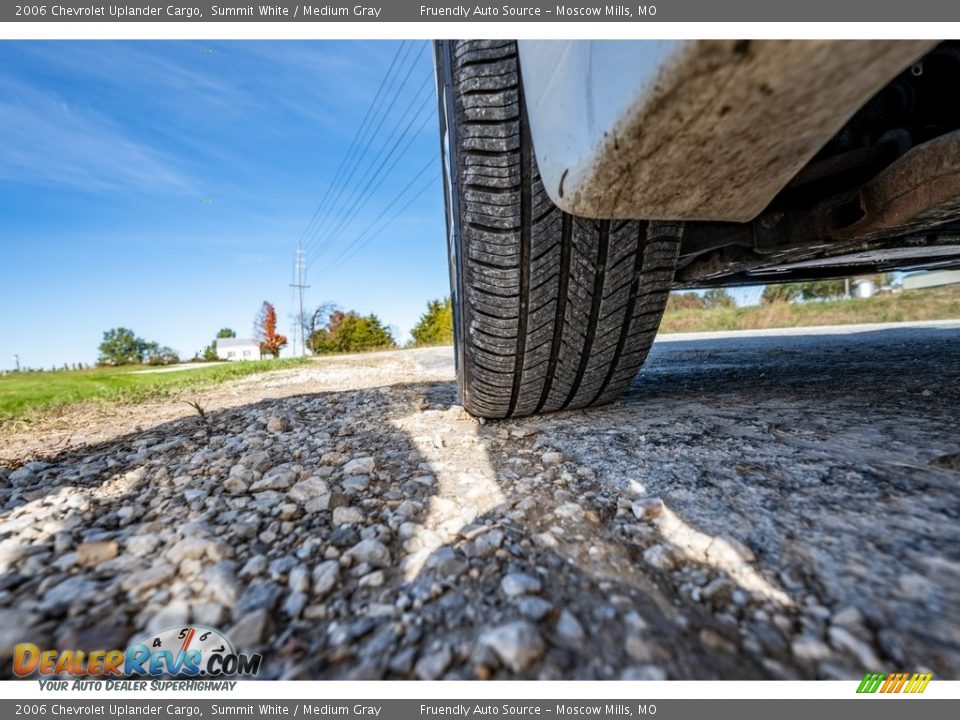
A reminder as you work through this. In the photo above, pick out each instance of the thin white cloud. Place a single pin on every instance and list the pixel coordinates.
(46, 141)
(261, 86)
(170, 72)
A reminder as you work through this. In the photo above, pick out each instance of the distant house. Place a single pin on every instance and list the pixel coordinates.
(917, 280)
(864, 288)
(238, 349)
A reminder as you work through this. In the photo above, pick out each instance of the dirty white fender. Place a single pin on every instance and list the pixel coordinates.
(692, 130)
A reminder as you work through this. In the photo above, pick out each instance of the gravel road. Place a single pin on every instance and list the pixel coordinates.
(760, 505)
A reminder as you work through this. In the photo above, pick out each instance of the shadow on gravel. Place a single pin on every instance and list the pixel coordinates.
(744, 512)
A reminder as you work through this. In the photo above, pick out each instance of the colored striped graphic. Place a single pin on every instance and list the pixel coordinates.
(894, 682)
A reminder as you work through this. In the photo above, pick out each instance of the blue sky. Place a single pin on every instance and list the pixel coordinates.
(163, 186)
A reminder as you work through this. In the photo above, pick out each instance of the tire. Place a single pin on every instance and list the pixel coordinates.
(551, 311)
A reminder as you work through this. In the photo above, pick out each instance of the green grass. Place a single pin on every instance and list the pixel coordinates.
(941, 303)
(26, 394)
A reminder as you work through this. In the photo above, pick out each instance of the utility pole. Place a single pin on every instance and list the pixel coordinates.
(300, 288)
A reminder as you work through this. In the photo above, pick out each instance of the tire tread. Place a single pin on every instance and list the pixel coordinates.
(560, 311)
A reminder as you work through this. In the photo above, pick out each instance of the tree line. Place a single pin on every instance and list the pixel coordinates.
(815, 289)
(812, 290)
(328, 329)
(122, 346)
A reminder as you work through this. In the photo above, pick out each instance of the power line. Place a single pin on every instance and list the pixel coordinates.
(375, 177)
(358, 194)
(361, 139)
(345, 198)
(377, 115)
(359, 242)
(354, 214)
(362, 155)
(394, 201)
(353, 144)
(387, 224)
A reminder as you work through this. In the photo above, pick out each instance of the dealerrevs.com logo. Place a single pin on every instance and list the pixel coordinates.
(193, 651)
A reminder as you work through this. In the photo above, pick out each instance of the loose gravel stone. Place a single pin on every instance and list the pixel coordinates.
(648, 508)
(660, 557)
(552, 458)
(374, 579)
(569, 628)
(235, 485)
(359, 466)
(278, 478)
(843, 640)
(278, 425)
(259, 595)
(298, 579)
(810, 649)
(432, 665)
(447, 563)
(515, 583)
(644, 672)
(192, 548)
(222, 585)
(254, 566)
(639, 648)
(325, 577)
(64, 593)
(372, 552)
(250, 630)
(488, 543)
(570, 511)
(294, 604)
(210, 614)
(356, 483)
(173, 614)
(257, 460)
(22, 476)
(347, 516)
(94, 553)
(345, 537)
(533, 607)
(148, 578)
(517, 644)
(309, 489)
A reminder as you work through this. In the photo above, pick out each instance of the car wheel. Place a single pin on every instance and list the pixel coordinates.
(551, 311)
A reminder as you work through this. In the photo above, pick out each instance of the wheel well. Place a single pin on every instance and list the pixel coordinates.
(884, 185)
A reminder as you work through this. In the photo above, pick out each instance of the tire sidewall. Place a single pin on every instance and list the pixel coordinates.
(443, 54)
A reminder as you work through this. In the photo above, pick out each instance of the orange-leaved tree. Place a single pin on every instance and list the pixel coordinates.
(265, 328)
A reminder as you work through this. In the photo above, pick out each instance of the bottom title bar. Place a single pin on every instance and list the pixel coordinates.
(407, 709)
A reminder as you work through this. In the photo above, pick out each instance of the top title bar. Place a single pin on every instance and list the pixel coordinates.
(524, 11)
